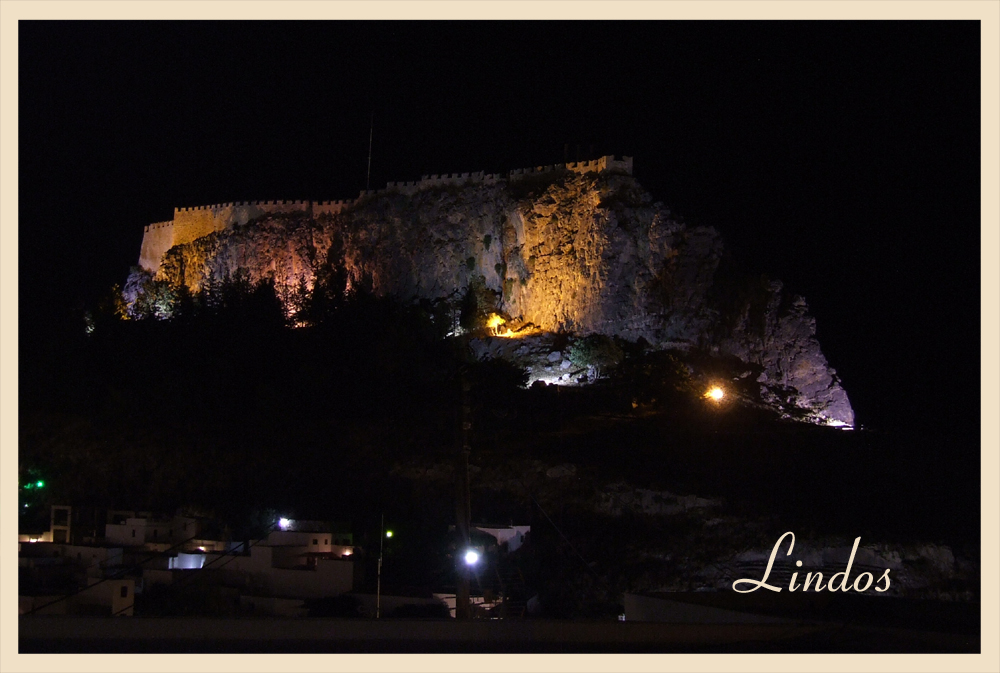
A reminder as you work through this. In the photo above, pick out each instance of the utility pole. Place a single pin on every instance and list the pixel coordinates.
(463, 505)
(378, 581)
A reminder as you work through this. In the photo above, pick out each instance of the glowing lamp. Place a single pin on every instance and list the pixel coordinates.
(471, 557)
(388, 533)
(284, 523)
(496, 325)
(40, 484)
(715, 394)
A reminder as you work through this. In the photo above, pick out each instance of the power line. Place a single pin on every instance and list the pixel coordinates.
(558, 530)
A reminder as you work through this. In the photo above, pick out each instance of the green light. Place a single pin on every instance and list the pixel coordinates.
(40, 484)
(388, 533)
(27, 486)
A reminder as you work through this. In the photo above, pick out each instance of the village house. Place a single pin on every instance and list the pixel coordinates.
(299, 560)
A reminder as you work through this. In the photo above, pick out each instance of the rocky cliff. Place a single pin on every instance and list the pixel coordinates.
(563, 252)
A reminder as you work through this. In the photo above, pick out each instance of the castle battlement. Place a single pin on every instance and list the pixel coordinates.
(192, 223)
(301, 204)
(158, 225)
(339, 202)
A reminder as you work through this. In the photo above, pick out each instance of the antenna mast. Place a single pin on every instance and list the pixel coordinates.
(371, 130)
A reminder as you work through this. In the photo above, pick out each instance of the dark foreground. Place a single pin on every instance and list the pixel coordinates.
(197, 635)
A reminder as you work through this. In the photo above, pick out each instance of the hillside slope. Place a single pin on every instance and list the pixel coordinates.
(561, 252)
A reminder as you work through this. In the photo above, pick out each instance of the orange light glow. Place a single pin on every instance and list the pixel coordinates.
(715, 393)
(496, 325)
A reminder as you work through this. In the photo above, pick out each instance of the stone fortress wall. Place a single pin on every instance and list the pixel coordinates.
(193, 223)
(190, 224)
(157, 238)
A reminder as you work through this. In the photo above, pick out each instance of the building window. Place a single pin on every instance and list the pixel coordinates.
(124, 593)
(315, 541)
(133, 532)
(326, 541)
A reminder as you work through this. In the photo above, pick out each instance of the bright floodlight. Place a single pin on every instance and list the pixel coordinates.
(716, 393)
(388, 533)
(284, 523)
(471, 557)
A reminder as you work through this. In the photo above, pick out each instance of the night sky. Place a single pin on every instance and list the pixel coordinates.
(840, 157)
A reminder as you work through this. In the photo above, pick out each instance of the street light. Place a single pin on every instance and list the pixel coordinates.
(715, 393)
(471, 558)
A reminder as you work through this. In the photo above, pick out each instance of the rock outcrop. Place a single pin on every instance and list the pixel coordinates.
(582, 253)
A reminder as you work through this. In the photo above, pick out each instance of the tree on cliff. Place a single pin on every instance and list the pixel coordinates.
(238, 300)
(111, 308)
(596, 350)
(155, 299)
(477, 304)
(329, 288)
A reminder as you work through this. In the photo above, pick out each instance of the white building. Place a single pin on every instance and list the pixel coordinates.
(111, 597)
(294, 564)
(138, 531)
(299, 561)
(288, 572)
(512, 536)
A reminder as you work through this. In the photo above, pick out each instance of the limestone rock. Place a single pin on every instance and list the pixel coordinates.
(576, 253)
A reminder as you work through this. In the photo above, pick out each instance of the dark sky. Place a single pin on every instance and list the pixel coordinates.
(840, 157)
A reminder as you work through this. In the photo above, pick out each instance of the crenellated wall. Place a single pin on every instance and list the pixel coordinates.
(190, 224)
(193, 223)
(331, 207)
(157, 238)
(600, 165)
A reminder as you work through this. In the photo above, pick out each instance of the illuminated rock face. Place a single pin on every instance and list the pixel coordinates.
(575, 252)
(563, 259)
(787, 349)
(583, 256)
